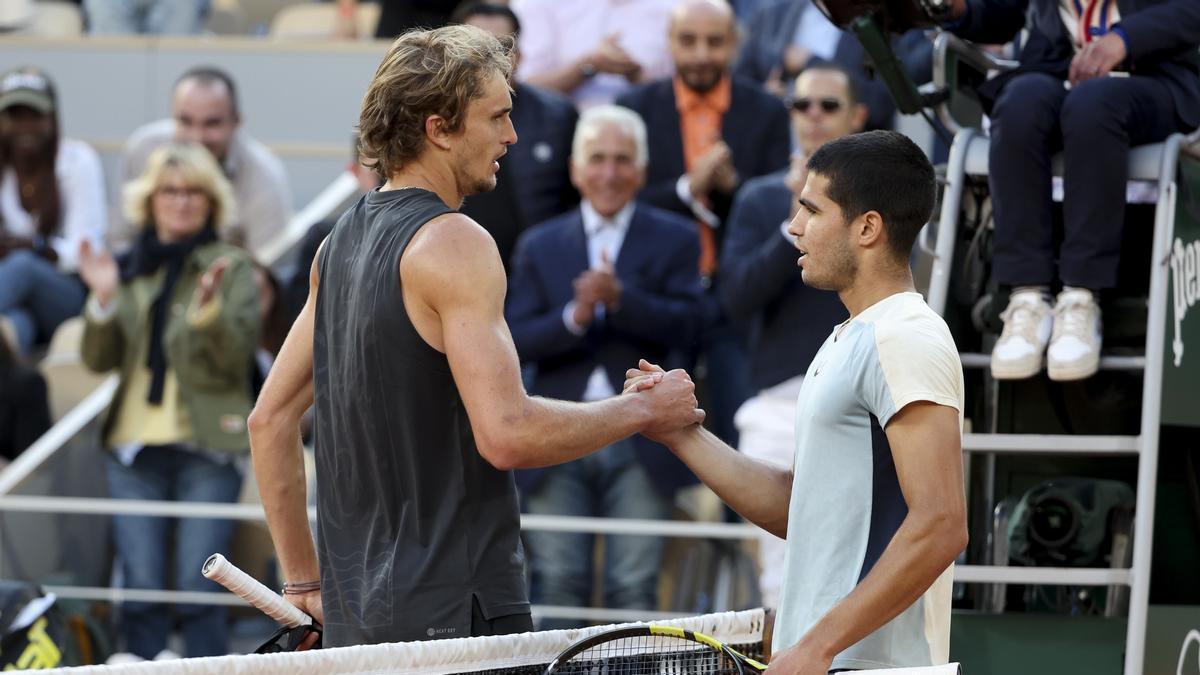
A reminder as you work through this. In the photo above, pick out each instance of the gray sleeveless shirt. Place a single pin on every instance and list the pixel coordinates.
(412, 522)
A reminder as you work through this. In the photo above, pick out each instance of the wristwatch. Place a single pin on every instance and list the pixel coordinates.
(587, 69)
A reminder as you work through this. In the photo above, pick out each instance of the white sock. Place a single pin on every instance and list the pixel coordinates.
(1042, 290)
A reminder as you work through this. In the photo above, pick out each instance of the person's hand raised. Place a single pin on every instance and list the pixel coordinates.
(210, 281)
(99, 272)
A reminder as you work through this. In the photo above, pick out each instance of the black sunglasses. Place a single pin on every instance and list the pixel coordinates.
(828, 105)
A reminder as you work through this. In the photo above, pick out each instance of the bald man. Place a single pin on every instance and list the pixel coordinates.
(709, 132)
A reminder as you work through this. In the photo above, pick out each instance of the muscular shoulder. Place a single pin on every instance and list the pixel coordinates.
(452, 253)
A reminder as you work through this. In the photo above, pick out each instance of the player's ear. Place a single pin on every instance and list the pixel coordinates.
(870, 229)
(437, 131)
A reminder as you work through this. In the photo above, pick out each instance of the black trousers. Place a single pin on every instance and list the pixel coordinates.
(1094, 125)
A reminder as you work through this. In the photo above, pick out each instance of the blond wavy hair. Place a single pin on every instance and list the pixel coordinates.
(426, 72)
(198, 168)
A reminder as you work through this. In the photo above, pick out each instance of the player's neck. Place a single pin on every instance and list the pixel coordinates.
(427, 177)
(869, 287)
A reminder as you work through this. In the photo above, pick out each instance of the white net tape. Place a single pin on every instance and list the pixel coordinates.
(516, 654)
(462, 655)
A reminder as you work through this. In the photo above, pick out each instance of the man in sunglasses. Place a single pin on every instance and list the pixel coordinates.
(787, 320)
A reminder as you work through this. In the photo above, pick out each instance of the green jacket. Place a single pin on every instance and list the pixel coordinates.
(211, 363)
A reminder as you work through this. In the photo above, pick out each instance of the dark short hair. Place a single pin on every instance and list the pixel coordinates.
(473, 8)
(880, 171)
(208, 76)
(852, 85)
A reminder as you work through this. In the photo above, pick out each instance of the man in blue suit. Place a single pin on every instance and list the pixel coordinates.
(783, 37)
(591, 292)
(1095, 78)
(533, 184)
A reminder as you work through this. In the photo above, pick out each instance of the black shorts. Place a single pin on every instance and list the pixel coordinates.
(501, 625)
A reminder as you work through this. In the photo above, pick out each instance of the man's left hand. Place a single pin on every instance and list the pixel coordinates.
(1097, 58)
(800, 659)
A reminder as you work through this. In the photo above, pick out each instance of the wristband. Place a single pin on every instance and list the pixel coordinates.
(301, 587)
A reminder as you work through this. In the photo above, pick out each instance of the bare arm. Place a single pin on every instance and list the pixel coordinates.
(454, 272)
(927, 450)
(278, 455)
(758, 491)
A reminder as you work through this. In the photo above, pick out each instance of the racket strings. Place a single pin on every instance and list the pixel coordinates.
(650, 655)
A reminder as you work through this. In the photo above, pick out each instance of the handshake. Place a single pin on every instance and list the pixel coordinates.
(670, 398)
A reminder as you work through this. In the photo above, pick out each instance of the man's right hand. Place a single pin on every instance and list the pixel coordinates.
(672, 398)
(310, 604)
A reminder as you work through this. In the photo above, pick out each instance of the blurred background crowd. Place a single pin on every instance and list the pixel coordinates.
(640, 215)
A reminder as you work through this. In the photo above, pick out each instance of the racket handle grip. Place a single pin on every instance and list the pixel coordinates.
(249, 589)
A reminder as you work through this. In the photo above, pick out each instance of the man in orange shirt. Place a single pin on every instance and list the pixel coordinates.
(708, 133)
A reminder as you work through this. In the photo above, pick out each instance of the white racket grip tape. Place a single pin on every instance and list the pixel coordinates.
(249, 589)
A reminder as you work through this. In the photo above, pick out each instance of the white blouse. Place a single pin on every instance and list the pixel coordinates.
(84, 210)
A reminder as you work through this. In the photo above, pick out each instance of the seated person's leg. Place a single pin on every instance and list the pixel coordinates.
(33, 286)
(1025, 134)
(1101, 119)
(632, 562)
(562, 561)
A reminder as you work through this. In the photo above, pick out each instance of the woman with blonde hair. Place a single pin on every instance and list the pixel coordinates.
(178, 318)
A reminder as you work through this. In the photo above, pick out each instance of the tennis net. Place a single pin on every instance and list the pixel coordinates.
(523, 654)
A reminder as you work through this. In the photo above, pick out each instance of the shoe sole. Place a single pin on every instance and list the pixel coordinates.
(1017, 371)
(1073, 371)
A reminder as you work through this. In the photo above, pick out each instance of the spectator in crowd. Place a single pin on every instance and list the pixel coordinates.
(760, 286)
(709, 132)
(154, 17)
(593, 51)
(51, 199)
(178, 319)
(783, 37)
(1091, 84)
(204, 110)
(24, 405)
(534, 184)
(592, 291)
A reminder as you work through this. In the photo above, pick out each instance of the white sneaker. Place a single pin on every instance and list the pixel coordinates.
(1027, 324)
(1074, 352)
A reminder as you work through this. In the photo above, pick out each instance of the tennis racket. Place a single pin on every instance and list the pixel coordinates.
(249, 589)
(652, 650)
